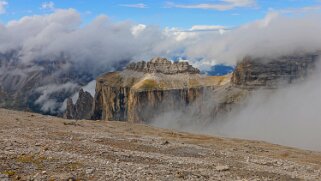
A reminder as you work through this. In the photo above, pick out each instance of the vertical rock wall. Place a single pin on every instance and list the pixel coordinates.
(270, 73)
(126, 104)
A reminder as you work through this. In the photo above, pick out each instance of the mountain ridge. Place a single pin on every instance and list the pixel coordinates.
(144, 90)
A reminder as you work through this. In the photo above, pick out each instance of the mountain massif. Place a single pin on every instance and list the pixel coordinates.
(38, 86)
(145, 90)
(43, 85)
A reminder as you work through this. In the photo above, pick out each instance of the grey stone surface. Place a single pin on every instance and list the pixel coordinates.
(273, 72)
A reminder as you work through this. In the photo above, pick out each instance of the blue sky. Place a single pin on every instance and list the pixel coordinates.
(175, 13)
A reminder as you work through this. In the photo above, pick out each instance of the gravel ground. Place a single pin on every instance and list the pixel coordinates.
(37, 147)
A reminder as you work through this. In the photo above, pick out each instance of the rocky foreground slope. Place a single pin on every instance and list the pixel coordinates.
(37, 147)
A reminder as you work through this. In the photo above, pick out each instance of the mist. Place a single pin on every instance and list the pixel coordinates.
(288, 115)
(52, 51)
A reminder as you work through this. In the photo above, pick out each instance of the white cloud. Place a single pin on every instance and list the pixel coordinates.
(139, 5)
(208, 28)
(275, 35)
(102, 45)
(95, 47)
(136, 30)
(48, 5)
(222, 6)
(49, 104)
(3, 5)
(40, 37)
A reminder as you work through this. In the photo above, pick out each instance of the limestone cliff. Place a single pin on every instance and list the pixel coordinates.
(253, 73)
(146, 89)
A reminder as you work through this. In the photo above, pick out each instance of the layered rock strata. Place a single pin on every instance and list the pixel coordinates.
(254, 73)
(138, 96)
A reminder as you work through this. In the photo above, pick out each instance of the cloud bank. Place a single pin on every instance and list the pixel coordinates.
(82, 52)
(103, 43)
(275, 35)
(289, 116)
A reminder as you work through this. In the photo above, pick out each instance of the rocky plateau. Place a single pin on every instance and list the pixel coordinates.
(144, 90)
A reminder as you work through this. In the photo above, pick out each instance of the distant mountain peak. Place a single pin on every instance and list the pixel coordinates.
(162, 65)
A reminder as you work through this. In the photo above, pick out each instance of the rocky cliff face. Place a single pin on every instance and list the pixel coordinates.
(145, 89)
(253, 73)
(82, 109)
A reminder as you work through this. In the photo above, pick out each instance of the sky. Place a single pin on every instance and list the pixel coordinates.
(176, 13)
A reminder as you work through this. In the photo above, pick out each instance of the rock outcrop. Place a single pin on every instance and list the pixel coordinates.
(271, 73)
(146, 89)
(82, 109)
(162, 65)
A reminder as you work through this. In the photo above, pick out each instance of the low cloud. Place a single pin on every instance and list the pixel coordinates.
(289, 115)
(48, 100)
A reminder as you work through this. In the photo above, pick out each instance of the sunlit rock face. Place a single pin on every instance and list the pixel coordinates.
(145, 89)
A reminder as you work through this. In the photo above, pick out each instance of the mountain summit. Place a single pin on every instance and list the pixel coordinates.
(162, 65)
